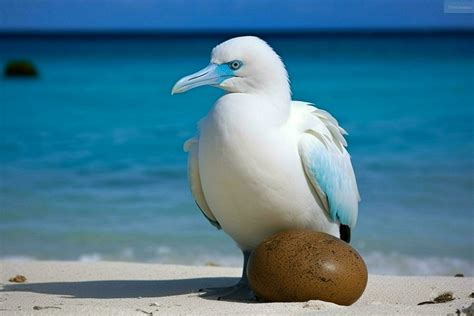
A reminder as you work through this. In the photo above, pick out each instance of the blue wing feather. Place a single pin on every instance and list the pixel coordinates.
(335, 179)
(327, 164)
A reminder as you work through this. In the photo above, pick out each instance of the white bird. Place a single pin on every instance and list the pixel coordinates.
(262, 163)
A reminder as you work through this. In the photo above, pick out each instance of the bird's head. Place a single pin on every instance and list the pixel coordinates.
(242, 64)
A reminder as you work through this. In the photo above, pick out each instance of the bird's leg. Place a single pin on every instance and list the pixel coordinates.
(238, 292)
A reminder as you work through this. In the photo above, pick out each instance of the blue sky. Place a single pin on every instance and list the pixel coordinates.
(173, 15)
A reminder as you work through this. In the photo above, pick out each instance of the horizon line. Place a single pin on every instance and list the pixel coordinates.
(221, 32)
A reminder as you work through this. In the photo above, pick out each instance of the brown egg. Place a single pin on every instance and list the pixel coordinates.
(302, 265)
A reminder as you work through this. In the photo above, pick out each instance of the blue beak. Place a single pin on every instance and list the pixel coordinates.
(212, 75)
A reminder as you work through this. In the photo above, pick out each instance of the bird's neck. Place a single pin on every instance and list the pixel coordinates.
(278, 103)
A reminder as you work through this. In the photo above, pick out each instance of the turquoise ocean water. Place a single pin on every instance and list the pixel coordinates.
(92, 166)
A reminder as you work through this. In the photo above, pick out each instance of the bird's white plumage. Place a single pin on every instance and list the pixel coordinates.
(191, 146)
(262, 163)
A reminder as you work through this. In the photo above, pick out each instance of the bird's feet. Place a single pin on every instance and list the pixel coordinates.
(239, 292)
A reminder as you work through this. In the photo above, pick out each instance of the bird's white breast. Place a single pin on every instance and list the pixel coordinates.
(251, 173)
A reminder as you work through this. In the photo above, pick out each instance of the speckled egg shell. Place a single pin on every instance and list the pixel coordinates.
(302, 265)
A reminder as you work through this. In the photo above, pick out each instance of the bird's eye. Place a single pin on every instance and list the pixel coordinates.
(235, 64)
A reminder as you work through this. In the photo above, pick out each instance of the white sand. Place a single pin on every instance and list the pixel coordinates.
(107, 288)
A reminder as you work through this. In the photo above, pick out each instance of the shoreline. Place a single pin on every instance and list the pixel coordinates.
(116, 288)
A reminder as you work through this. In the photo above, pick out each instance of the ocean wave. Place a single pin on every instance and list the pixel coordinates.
(377, 262)
(400, 264)
(17, 258)
(90, 257)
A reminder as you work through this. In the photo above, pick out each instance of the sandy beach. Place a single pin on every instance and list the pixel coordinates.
(106, 288)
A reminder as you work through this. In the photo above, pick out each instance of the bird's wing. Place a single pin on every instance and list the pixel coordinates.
(326, 162)
(191, 146)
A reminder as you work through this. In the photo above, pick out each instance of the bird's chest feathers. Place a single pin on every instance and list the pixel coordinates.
(234, 137)
(238, 147)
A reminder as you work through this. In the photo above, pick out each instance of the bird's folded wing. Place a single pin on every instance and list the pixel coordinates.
(327, 165)
(191, 146)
